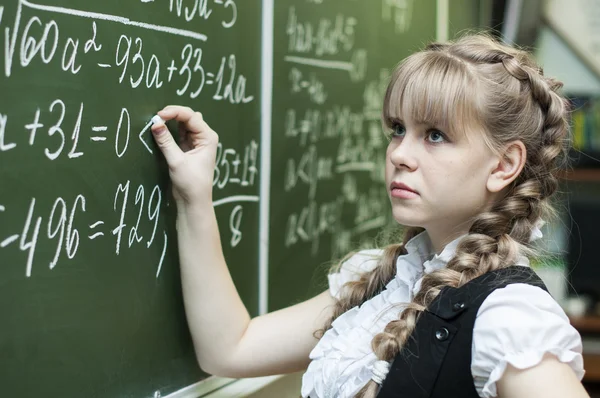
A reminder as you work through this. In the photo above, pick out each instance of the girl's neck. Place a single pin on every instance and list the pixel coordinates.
(439, 239)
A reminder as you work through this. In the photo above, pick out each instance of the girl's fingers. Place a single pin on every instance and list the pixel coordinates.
(193, 130)
(192, 120)
(167, 145)
(184, 141)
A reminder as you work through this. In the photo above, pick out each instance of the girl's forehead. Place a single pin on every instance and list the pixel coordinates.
(430, 88)
(427, 119)
(457, 130)
(408, 118)
(434, 108)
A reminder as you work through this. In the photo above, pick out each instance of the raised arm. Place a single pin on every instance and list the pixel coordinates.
(227, 342)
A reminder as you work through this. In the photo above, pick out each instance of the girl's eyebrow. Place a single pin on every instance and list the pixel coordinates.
(392, 119)
(421, 123)
(429, 123)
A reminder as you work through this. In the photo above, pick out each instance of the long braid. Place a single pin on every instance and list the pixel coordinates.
(498, 236)
(370, 283)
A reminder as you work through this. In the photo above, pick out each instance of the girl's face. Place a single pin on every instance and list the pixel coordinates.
(437, 179)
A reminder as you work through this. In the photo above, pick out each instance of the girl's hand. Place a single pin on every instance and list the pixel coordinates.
(191, 167)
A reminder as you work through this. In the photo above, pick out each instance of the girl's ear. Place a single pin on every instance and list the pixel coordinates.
(509, 166)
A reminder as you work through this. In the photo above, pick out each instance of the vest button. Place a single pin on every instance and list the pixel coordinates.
(442, 334)
(458, 306)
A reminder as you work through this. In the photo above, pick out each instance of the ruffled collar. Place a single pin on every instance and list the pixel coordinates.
(420, 259)
(343, 360)
(421, 246)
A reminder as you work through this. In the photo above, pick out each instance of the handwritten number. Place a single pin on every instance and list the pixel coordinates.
(153, 213)
(75, 135)
(217, 173)
(119, 229)
(124, 115)
(186, 67)
(198, 68)
(124, 60)
(138, 57)
(73, 234)
(57, 129)
(225, 162)
(30, 246)
(230, 3)
(235, 220)
(133, 233)
(60, 227)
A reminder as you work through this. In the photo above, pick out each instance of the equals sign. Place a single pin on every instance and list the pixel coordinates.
(210, 78)
(99, 129)
(97, 234)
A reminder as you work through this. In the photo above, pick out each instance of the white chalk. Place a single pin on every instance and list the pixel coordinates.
(157, 119)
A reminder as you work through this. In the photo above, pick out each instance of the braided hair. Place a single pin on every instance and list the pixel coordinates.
(506, 93)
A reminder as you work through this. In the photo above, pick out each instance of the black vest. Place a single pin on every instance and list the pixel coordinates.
(436, 360)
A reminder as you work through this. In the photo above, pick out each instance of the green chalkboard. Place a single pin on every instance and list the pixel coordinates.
(90, 292)
(332, 60)
(90, 298)
(464, 16)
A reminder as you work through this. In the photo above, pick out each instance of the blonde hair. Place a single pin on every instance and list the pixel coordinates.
(500, 89)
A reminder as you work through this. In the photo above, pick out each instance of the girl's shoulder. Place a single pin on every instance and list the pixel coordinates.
(517, 325)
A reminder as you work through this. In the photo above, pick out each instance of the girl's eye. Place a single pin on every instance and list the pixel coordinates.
(436, 137)
(398, 130)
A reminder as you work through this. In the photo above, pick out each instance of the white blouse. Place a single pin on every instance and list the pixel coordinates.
(515, 325)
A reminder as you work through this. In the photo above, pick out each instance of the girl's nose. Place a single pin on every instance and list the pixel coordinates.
(403, 153)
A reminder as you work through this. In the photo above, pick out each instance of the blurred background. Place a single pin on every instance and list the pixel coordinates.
(565, 38)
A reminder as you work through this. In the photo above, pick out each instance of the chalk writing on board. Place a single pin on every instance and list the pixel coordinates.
(202, 9)
(328, 37)
(137, 65)
(66, 130)
(61, 226)
(315, 48)
(398, 11)
(32, 46)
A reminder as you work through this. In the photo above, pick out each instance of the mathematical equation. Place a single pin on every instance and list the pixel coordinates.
(43, 39)
(60, 224)
(312, 44)
(231, 167)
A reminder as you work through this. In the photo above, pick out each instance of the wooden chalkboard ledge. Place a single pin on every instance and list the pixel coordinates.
(282, 386)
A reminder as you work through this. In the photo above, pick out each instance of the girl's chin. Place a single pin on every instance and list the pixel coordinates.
(407, 221)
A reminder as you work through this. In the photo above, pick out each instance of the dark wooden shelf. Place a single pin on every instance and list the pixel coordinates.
(592, 367)
(591, 175)
(586, 324)
(590, 325)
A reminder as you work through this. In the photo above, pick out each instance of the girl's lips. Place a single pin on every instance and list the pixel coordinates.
(401, 185)
(403, 193)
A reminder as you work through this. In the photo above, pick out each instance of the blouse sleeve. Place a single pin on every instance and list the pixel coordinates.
(351, 269)
(517, 325)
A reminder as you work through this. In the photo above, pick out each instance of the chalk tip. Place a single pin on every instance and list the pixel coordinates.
(157, 119)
